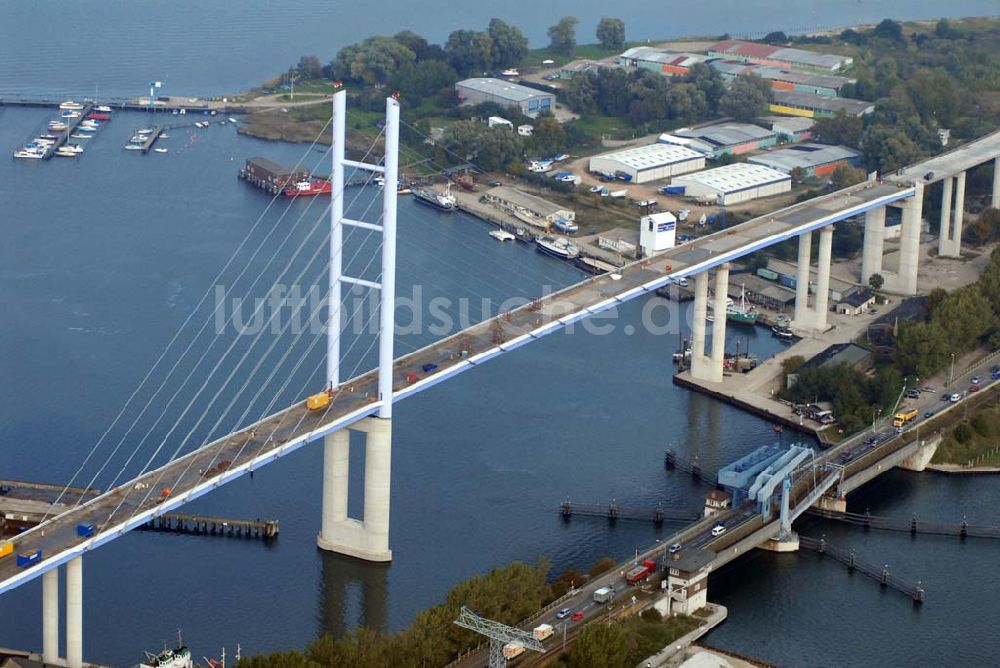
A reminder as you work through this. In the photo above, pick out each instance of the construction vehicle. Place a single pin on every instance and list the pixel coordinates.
(542, 631)
(6, 548)
(320, 400)
(640, 573)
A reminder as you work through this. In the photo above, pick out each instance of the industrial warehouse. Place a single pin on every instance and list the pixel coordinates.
(780, 56)
(529, 100)
(648, 163)
(722, 139)
(817, 106)
(813, 159)
(734, 183)
(664, 62)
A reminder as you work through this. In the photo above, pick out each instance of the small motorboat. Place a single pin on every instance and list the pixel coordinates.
(596, 189)
(164, 136)
(86, 128)
(70, 114)
(71, 148)
(502, 235)
(70, 105)
(30, 153)
(57, 126)
(79, 136)
(104, 109)
(144, 131)
(160, 150)
(567, 226)
(133, 147)
(66, 152)
(232, 120)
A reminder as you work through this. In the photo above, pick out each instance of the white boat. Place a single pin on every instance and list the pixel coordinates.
(104, 109)
(71, 105)
(78, 136)
(160, 150)
(232, 120)
(144, 131)
(57, 126)
(682, 215)
(64, 152)
(87, 128)
(137, 139)
(89, 124)
(567, 226)
(511, 72)
(703, 219)
(618, 193)
(557, 247)
(502, 235)
(32, 154)
(133, 147)
(71, 148)
(164, 136)
(70, 114)
(596, 189)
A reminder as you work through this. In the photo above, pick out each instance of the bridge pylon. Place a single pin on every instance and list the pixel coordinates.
(368, 538)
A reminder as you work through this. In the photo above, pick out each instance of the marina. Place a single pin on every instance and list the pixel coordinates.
(53, 140)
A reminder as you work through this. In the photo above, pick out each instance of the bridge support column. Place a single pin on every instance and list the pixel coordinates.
(699, 313)
(956, 232)
(944, 234)
(366, 539)
(823, 277)
(801, 317)
(871, 260)
(919, 460)
(50, 616)
(909, 243)
(74, 613)
(789, 543)
(717, 360)
(995, 194)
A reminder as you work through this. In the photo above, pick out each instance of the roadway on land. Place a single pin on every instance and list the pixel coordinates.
(174, 484)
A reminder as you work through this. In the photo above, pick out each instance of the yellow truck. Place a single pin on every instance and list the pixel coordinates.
(902, 417)
(6, 548)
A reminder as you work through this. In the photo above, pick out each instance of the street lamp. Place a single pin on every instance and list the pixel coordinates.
(875, 414)
(951, 376)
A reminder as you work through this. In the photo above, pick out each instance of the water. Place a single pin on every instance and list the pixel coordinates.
(199, 48)
(105, 257)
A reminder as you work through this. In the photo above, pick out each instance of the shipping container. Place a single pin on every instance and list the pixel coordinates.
(787, 281)
(6, 548)
(29, 558)
(542, 631)
(84, 529)
(768, 274)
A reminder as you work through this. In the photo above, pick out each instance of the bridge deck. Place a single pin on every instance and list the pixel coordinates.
(134, 503)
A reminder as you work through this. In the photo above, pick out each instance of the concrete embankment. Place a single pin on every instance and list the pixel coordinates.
(664, 657)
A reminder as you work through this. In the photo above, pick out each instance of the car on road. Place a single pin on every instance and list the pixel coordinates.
(676, 547)
(974, 388)
(718, 530)
(577, 616)
(496, 184)
(928, 414)
(954, 398)
(563, 614)
(845, 456)
(976, 380)
(913, 393)
(871, 440)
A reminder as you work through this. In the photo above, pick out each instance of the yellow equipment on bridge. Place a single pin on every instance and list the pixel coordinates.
(901, 418)
(318, 401)
(6, 548)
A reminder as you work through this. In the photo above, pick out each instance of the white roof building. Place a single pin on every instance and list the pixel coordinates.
(731, 184)
(649, 163)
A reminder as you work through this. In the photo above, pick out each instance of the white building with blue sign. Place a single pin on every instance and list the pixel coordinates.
(657, 232)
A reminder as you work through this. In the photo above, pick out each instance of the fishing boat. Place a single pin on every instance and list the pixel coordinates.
(742, 314)
(558, 247)
(592, 265)
(781, 332)
(70, 105)
(309, 187)
(566, 226)
(502, 235)
(178, 657)
(444, 201)
(682, 355)
(524, 235)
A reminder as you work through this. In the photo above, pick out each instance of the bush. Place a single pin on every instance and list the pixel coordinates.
(602, 565)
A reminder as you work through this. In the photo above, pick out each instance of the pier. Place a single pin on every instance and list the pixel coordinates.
(849, 559)
(61, 136)
(204, 525)
(912, 526)
(614, 512)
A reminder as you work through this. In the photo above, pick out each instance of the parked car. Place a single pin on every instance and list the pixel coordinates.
(913, 393)
(551, 77)
(563, 614)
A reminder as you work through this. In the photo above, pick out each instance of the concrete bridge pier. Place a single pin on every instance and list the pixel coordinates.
(74, 613)
(50, 616)
(909, 241)
(814, 319)
(919, 460)
(944, 233)
(368, 538)
(709, 367)
(823, 278)
(871, 259)
(950, 237)
(801, 319)
(995, 194)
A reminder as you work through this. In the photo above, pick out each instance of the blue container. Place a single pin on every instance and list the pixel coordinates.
(787, 281)
(84, 529)
(672, 190)
(25, 559)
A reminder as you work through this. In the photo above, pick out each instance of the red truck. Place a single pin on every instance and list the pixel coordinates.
(640, 573)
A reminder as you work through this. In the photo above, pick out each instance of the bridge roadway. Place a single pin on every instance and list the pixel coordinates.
(132, 504)
(951, 163)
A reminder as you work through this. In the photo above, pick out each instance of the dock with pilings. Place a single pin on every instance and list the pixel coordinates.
(204, 525)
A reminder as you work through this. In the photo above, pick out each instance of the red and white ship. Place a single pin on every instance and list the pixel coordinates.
(309, 187)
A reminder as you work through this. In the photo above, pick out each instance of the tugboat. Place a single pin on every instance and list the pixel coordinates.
(444, 201)
(558, 247)
(309, 187)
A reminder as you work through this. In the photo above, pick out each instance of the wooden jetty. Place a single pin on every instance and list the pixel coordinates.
(204, 525)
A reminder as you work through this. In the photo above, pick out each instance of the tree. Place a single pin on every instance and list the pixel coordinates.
(562, 35)
(845, 176)
(841, 128)
(469, 51)
(887, 149)
(798, 174)
(373, 61)
(747, 98)
(309, 67)
(548, 137)
(889, 29)
(709, 82)
(876, 281)
(611, 33)
(776, 37)
(423, 79)
(602, 565)
(510, 46)
(686, 102)
(491, 148)
(936, 94)
(648, 94)
(600, 646)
